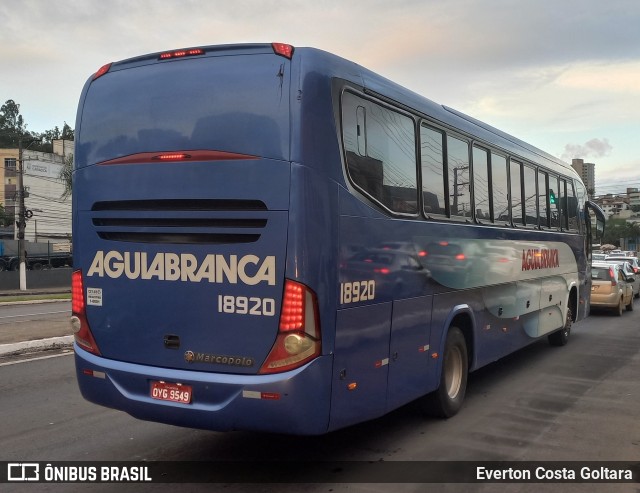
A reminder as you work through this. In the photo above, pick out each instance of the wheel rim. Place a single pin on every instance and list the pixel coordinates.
(453, 372)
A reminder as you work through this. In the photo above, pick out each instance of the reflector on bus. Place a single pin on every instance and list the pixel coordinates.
(101, 71)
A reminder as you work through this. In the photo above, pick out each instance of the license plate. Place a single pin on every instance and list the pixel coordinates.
(172, 392)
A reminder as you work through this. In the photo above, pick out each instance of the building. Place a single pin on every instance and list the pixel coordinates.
(633, 194)
(587, 172)
(8, 177)
(615, 206)
(48, 216)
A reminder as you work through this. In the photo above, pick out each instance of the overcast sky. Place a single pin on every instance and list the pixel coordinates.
(563, 75)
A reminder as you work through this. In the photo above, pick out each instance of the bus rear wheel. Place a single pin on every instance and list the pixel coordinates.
(561, 337)
(447, 400)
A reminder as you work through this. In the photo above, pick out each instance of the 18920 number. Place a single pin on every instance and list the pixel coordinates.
(354, 292)
(242, 305)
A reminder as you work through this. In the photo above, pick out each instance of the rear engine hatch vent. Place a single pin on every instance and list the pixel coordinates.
(180, 221)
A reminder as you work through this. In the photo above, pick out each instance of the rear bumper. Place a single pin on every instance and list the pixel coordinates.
(295, 402)
(605, 300)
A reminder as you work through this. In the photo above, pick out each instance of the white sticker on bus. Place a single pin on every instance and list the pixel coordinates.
(94, 296)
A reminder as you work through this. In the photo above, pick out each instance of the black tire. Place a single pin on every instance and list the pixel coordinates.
(618, 310)
(447, 400)
(630, 305)
(561, 337)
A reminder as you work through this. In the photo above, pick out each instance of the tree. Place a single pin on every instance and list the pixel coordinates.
(619, 228)
(12, 125)
(66, 175)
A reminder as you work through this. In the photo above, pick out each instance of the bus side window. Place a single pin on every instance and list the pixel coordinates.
(499, 188)
(432, 157)
(543, 196)
(380, 153)
(481, 195)
(572, 207)
(458, 168)
(516, 192)
(554, 198)
(530, 196)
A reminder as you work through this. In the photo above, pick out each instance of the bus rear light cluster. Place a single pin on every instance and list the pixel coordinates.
(181, 53)
(81, 331)
(298, 339)
(283, 49)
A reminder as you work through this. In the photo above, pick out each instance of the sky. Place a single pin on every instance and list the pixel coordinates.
(563, 75)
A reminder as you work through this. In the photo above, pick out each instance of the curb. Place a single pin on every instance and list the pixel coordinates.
(37, 345)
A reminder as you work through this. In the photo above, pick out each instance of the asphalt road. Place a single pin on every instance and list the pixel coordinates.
(31, 321)
(579, 402)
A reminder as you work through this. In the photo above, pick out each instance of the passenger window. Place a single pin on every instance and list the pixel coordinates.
(432, 162)
(380, 153)
(481, 184)
(499, 188)
(516, 193)
(562, 203)
(543, 193)
(530, 196)
(572, 207)
(459, 185)
(554, 198)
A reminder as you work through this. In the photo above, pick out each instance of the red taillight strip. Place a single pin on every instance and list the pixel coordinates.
(181, 53)
(177, 156)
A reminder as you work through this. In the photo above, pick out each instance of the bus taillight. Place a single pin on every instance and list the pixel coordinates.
(298, 339)
(101, 71)
(283, 49)
(81, 332)
(181, 53)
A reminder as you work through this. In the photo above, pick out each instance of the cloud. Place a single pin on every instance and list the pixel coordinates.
(593, 148)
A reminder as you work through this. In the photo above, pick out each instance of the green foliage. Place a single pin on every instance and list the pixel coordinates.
(66, 175)
(619, 228)
(13, 128)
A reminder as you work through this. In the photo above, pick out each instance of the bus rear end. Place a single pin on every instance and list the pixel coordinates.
(182, 310)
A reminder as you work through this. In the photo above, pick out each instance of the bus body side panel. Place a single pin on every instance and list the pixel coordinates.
(361, 364)
(382, 329)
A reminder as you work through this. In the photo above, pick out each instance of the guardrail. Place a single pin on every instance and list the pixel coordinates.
(37, 279)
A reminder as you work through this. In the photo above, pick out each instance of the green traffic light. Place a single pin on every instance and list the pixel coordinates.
(552, 197)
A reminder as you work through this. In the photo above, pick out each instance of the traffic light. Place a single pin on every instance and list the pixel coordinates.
(552, 197)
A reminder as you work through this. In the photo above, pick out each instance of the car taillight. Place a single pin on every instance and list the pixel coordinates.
(79, 325)
(612, 275)
(298, 339)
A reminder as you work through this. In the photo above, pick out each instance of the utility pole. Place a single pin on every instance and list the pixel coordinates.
(21, 223)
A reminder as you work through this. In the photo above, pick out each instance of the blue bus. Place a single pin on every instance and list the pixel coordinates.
(275, 238)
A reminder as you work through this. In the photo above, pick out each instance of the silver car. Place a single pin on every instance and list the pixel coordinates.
(631, 268)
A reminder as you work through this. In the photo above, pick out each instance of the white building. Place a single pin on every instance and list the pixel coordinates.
(48, 214)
